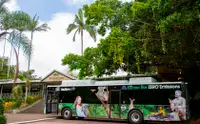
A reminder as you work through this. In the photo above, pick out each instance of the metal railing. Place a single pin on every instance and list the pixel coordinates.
(9, 95)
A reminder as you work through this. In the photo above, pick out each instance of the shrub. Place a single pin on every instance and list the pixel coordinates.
(2, 119)
(30, 100)
(38, 98)
(1, 108)
(9, 105)
(17, 104)
(17, 92)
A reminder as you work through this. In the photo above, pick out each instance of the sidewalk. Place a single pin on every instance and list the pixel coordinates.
(27, 117)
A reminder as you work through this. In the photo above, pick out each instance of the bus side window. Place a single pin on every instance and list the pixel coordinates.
(126, 95)
(88, 95)
(67, 97)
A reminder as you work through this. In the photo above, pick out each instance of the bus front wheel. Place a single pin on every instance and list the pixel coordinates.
(135, 117)
(67, 113)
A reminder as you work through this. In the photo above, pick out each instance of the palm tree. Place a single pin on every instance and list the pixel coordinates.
(33, 27)
(21, 22)
(79, 25)
(18, 40)
(3, 13)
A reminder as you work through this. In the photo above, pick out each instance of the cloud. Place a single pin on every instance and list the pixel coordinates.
(12, 5)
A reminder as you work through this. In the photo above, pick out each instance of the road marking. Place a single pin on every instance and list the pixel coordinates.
(31, 121)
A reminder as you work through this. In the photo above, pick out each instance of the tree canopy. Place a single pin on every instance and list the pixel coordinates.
(157, 31)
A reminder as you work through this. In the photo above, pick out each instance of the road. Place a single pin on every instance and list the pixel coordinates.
(54, 119)
(61, 121)
(49, 119)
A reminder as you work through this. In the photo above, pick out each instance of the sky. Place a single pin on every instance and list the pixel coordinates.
(50, 47)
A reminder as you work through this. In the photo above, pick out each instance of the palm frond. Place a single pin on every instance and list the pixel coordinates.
(6, 21)
(71, 27)
(23, 44)
(43, 27)
(2, 2)
(34, 26)
(75, 35)
(20, 20)
(80, 15)
(92, 31)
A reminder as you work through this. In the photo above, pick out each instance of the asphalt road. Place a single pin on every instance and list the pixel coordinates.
(61, 121)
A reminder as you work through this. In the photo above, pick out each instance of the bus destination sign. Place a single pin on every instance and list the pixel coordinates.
(153, 86)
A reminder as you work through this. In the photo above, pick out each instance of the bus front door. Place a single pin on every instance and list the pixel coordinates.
(115, 103)
(52, 102)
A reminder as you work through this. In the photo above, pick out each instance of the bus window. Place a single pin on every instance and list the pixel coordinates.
(147, 97)
(67, 97)
(88, 95)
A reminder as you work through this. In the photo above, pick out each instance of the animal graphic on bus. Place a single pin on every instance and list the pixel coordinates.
(178, 107)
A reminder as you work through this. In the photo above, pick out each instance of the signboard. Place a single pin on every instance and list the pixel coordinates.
(56, 77)
(151, 87)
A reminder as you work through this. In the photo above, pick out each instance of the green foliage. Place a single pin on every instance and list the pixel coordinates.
(33, 99)
(4, 70)
(1, 108)
(17, 92)
(157, 31)
(17, 104)
(3, 119)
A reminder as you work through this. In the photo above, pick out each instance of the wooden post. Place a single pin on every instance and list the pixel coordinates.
(1, 92)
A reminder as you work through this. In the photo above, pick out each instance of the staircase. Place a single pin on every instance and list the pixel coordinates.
(36, 108)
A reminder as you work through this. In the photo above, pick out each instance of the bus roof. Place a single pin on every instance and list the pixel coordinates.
(131, 81)
(109, 83)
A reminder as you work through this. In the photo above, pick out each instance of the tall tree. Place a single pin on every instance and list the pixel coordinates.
(79, 25)
(34, 27)
(17, 39)
(21, 22)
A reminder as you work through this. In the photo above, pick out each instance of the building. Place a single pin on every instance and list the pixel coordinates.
(37, 87)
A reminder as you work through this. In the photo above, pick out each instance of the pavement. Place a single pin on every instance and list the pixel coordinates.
(14, 118)
(49, 119)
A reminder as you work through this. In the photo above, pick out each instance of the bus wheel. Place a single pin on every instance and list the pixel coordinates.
(67, 113)
(135, 117)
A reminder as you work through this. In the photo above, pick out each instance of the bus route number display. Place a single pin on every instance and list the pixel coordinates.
(153, 86)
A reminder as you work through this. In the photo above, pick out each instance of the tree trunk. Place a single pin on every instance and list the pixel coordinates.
(17, 67)
(19, 43)
(8, 71)
(26, 94)
(3, 33)
(29, 60)
(4, 48)
(82, 42)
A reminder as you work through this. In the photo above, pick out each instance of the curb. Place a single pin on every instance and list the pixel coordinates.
(31, 121)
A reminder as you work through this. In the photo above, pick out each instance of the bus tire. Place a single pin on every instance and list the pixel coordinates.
(135, 117)
(67, 113)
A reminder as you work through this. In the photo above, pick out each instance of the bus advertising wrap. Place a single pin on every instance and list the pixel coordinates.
(174, 110)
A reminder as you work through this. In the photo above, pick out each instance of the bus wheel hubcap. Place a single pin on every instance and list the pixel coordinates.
(66, 113)
(135, 117)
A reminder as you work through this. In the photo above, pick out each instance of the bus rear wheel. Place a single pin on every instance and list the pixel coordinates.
(67, 113)
(135, 117)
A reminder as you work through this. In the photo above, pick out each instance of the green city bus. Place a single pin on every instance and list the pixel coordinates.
(136, 100)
